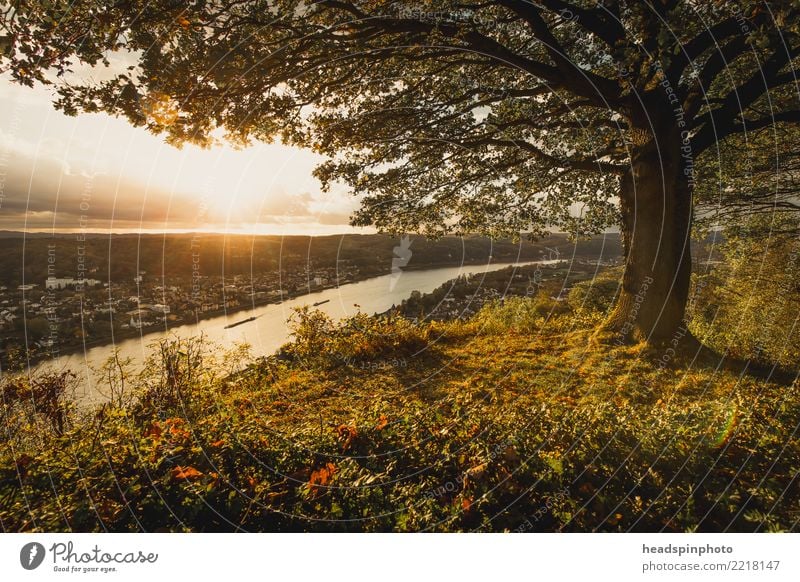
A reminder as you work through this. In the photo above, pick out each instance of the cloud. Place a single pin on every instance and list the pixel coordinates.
(43, 192)
(329, 209)
(97, 172)
(281, 205)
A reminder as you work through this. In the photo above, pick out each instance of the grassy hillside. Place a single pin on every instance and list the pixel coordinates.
(502, 423)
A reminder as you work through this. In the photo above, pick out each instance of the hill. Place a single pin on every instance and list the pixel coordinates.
(121, 257)
(515, 420)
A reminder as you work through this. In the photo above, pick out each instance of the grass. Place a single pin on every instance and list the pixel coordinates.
(513, 421)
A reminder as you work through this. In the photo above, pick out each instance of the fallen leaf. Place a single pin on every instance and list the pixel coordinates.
(477, 472)
(153, 431)
(320, 478)
(346, 435)
(181, 473)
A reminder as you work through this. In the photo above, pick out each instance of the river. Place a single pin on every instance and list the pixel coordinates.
(270, 330)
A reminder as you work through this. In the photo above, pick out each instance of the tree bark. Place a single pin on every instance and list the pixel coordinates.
(656, 225)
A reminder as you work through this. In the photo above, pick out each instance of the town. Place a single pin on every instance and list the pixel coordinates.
(64, 312)
(463, 297)
(74, 293)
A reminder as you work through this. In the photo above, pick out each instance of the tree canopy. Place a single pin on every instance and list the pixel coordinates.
(487, 116)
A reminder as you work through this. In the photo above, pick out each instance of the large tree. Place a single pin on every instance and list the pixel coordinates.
(496, 117)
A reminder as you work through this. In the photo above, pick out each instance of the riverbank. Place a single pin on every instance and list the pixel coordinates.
(122, 335)
(132, 333)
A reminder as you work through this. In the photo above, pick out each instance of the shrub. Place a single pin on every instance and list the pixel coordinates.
(44, 395)
(520, 314)
(361, 339)
(597, 295)
(747, 305)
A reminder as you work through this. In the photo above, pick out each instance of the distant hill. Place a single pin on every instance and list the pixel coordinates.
(121, 256)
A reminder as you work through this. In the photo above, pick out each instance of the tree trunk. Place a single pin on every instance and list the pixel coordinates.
(656, 226)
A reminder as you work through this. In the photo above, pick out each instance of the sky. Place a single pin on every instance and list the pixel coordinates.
(97, 173)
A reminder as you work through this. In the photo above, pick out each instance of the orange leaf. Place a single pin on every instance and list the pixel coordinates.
(175, 428)
(346, 435)
(382, 422)
(218, 444)
(153, 431)
(466, 503)
(181, 473)
(179, 433)
(320, 478)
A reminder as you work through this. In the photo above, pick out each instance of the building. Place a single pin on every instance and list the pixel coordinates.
(138, 318)
(64, 282)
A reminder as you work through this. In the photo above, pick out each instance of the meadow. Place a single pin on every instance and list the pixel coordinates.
(522, 418)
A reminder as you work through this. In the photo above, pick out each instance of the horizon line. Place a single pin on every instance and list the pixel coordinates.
(151, 232)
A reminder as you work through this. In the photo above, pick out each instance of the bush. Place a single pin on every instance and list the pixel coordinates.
(361, 339)
(524, 315)
(747, 306)
(43, 397)
(597, 295)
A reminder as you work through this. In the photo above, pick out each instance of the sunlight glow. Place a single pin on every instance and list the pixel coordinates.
(116, 178)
